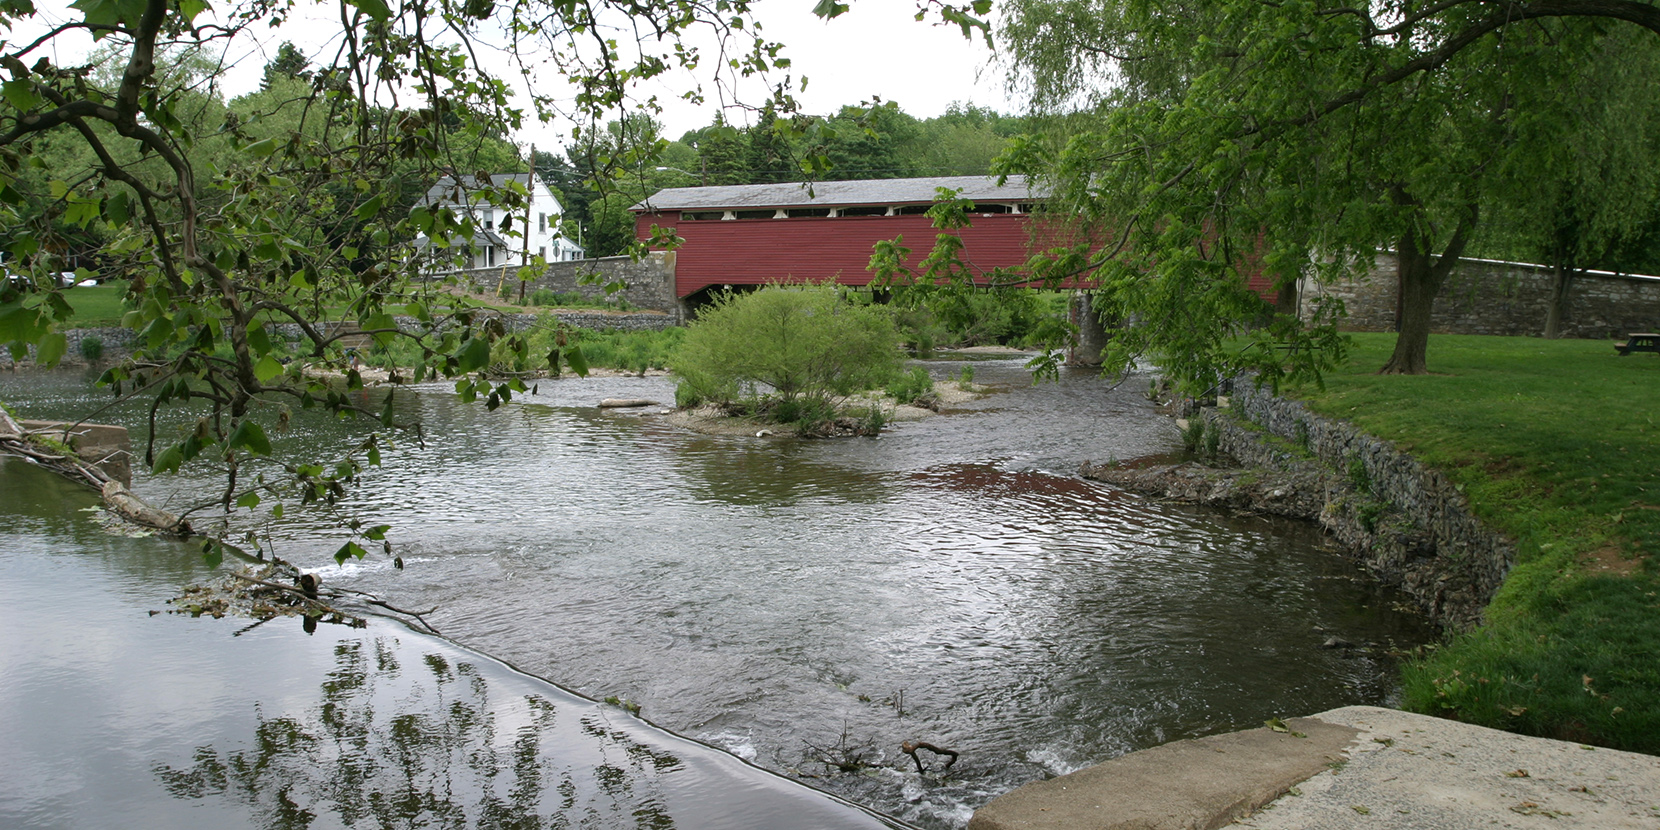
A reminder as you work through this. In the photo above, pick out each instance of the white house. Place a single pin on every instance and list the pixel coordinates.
(491, 246)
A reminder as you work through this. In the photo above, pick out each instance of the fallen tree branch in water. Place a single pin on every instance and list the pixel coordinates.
(910, 748)
(22, 443)
(311, 595)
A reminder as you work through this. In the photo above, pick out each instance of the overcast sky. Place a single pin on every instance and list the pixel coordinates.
(877, 49)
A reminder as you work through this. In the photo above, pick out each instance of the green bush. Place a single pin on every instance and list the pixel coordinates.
(788, 341)
(911, 385)
(92, 348)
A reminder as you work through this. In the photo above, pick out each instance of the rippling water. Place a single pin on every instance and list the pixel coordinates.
(950, 582)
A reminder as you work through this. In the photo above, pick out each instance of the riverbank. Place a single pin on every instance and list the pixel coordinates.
(709, 419)
(1550, 445)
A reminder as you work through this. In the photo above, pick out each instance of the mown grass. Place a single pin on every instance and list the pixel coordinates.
(1556, 444)
(97, 306)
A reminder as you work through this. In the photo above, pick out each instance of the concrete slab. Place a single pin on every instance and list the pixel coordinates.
(1358, 767)
(1198, 784)
(1414, 772)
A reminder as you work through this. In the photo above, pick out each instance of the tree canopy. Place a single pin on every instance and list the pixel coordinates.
(1292, 138)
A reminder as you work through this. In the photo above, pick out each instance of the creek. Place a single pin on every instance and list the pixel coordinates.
(790, 601)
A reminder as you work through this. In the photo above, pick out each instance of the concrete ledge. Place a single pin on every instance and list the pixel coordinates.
(1359, 766)
(1197, 784)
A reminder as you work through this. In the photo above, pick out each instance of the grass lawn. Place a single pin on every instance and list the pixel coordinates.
(1556, 444)
(97, 306)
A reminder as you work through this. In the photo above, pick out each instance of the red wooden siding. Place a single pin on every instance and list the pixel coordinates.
(758, 251)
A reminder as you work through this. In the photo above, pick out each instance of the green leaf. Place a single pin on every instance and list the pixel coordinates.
(258, 339)
(386, 412)
(168, 461)
(267, 368)
(213, 553)
(829, 8)
(20, 94)
(367, 210)
(248, 500)
(377, 533)
(262, 149)
(347, 551)
(118, 209)
(381, 320)
(189, 9)
(51, 349)
(376, 9)
(250, 436)
(574, 359)
(473, 355)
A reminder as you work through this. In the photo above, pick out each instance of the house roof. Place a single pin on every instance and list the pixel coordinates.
(834, 194)
(457, 189)
(481, 238)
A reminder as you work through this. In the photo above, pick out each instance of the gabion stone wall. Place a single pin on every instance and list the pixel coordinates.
(1410, 524)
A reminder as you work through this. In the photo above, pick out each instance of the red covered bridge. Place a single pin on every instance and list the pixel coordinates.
(755, 234)
(760, 233)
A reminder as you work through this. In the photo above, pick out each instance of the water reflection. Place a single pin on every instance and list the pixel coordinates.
(748, 472)
(443, 754)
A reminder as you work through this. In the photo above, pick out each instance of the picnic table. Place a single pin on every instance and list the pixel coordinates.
(1639, 342)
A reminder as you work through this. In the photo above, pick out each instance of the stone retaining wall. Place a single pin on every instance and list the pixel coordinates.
(1409, 523)
(649, 281)
(1500, 298)
(118, 343)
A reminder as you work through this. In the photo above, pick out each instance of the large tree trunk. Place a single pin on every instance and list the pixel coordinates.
(1420, 276)
(1562, 282)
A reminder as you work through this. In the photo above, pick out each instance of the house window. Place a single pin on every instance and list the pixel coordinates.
(542, 252)
(544, 222)
(489, 218)
(489, 256)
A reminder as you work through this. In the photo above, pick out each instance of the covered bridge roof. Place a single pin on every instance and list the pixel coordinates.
(832, 194)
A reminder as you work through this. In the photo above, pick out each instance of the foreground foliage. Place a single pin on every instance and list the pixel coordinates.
(1555, 444)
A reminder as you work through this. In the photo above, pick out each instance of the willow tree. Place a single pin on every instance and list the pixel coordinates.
(1291, 139)
(1592, 194)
